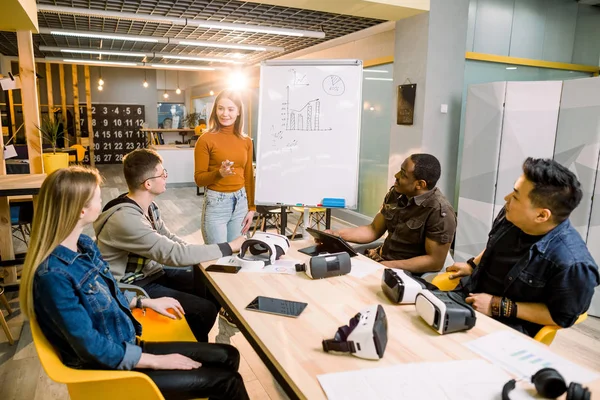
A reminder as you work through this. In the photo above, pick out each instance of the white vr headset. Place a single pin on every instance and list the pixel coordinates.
(401, 287)
(365, 336)
(445, 312)
(263, 249)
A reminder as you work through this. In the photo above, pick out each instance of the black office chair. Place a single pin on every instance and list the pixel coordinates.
(268, 217)
(21, 217)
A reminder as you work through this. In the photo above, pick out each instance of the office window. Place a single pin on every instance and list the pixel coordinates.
(378, 103)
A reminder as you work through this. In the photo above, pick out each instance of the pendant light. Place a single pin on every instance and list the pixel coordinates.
(100, 81)
(178, 91)
(165, 95)
(145, 84)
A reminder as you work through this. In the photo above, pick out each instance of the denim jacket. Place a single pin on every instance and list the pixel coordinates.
(558, 271)
(82, 312)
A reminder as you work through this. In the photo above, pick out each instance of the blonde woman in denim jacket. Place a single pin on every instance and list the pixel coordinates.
(68, 287)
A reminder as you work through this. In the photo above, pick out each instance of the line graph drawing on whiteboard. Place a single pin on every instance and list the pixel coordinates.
(306, 118)
(279, 141)
(334, 85)
(298, 78)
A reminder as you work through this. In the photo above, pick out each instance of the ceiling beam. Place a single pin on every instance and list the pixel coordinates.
(93, 13)
(142, 54)
(387, 10)
(153, 39)
(128, 64)
(18, 15)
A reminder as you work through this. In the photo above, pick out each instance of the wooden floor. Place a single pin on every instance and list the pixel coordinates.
(21, 375)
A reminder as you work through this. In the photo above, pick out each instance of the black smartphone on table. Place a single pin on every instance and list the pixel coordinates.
(271, 305)
(228, 269)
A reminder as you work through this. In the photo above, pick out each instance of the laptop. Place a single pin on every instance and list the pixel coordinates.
(329, 244)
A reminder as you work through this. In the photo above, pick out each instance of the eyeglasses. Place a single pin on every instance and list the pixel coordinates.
(164, 174)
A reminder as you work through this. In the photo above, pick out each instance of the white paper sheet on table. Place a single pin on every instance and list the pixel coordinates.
(452, 380)
(287, 267)
(523, 358)
(362, 268)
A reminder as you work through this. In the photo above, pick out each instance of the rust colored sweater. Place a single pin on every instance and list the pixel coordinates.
(214, 148)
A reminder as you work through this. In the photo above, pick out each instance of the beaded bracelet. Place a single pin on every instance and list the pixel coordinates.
(508, 308)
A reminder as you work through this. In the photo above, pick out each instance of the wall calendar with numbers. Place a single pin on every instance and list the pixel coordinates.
(116, 130)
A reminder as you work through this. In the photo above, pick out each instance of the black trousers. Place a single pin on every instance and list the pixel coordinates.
(216, 379)
(200, 306)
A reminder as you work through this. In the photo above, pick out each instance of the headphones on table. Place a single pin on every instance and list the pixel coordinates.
(550, 384)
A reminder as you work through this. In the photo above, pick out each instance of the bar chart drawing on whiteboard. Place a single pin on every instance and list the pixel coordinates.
(308, 127)
(306, 118)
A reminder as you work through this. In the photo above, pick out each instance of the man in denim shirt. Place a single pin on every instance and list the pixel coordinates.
(535, 270)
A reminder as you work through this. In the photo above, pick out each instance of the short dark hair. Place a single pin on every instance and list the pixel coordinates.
(554, 187)
(139, 165)
(427, 168)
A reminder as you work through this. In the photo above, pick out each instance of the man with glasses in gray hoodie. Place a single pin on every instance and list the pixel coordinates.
(136, 243)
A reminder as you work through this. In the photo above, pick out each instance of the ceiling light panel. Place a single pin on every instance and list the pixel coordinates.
(163, 19)
(335, 26)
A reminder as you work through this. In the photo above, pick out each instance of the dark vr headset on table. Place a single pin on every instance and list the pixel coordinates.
(326, 265)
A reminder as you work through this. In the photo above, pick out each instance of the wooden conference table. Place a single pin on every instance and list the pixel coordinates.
(13, 185)
(291, 347)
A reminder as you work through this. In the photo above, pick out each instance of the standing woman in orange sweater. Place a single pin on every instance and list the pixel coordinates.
(223, 164)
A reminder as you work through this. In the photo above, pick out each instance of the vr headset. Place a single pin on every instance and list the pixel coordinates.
(365, 336)
(263, 249)
(327, 265)
(445, 312)
(401, 287)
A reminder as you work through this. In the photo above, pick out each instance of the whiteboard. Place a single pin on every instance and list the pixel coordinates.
(308, 138)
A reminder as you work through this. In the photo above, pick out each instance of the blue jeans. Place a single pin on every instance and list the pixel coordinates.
(222, 215)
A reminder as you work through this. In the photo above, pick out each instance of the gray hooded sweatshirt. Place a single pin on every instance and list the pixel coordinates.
(136, 247)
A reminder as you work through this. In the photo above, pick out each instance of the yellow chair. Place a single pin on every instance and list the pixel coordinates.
(92, 384)
(199, 129)
(443, 282)
(80, 154)
(547, 334)
(316, 216)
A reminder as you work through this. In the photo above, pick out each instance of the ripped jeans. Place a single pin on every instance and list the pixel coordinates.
(222, 215)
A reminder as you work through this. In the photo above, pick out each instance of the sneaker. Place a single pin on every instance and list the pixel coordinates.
(224, 315)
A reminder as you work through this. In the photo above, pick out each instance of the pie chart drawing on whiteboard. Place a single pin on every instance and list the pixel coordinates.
(334, 85)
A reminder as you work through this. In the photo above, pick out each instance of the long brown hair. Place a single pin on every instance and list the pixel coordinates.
(214, 126)
(63, 195)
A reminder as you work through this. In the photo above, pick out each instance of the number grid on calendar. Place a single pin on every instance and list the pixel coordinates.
(116, 131)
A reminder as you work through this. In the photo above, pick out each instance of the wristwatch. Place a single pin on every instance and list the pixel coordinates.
(138, 303)
(471, 262)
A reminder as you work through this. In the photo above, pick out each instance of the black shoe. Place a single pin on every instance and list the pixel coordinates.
(227, 318)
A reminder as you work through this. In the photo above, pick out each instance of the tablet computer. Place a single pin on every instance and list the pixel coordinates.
(329, 244)
(272, 305)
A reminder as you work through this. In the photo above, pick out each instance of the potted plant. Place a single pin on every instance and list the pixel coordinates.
(51, 132)
(191, 120)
